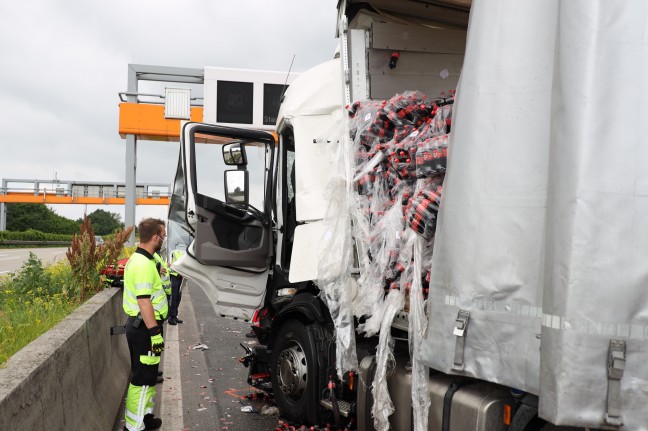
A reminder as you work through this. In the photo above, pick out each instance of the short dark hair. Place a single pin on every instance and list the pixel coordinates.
(149, 227)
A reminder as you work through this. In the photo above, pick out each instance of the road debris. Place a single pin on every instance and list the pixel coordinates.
(200, 346)
(269, 410)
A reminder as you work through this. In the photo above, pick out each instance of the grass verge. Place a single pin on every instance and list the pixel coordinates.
(33, 301)
(36, 298)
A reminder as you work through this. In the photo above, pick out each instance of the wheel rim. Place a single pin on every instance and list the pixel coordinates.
(292, 370)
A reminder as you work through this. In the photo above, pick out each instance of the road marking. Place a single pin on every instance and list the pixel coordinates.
(7, 258)
(3, 272)
(171, 399)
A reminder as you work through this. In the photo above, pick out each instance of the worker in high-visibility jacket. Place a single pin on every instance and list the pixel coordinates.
(164, 274)
(176, 289)
(145, 303)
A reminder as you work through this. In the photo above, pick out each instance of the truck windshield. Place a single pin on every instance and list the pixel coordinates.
(210, 168)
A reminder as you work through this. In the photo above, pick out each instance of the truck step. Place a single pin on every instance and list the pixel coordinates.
(344, 406)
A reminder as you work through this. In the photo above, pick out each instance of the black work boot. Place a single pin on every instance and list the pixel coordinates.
(151, 422)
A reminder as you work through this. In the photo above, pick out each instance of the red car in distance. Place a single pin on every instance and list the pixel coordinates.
(115, 273)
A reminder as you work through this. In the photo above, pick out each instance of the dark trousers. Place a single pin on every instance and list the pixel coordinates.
(176, 295)
(139, 344)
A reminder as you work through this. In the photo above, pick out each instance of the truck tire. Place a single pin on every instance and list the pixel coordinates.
(295, 373)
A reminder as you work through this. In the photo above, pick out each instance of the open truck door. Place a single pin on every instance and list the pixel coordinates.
(227, 209)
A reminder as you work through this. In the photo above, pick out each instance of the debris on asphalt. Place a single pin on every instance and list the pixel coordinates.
(257, 396)
(269, 410)
(200, 346)
(247, 409)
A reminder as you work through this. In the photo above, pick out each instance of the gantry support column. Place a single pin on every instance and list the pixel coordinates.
(3, 209)
(137, 72)
(131, 161)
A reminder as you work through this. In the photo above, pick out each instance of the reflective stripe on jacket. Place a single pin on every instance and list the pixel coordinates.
(164, 277)
(141, 279)
(175, 255)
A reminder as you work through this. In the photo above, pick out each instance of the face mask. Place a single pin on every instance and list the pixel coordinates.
(158, 242)
(162, 245)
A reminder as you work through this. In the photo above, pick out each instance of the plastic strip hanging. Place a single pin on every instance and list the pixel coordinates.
(384, 194)
(400, 149)
(334, 280)
(382, 406)
(417, 325)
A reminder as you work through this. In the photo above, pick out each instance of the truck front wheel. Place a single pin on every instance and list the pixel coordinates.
(295, 373)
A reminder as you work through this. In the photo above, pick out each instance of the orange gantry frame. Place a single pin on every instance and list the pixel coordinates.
(147, 121)
(51, 198)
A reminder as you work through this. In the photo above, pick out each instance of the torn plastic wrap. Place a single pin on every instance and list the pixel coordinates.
(383, 406)
(334, 281)
(417, 325)
(395, 174)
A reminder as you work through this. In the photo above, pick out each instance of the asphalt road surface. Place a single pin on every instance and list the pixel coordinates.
(12, 259)
(205, 389)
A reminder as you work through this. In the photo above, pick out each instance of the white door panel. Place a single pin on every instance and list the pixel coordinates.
(314, 157)
(311, 242)
(232, 293)
(228, 237)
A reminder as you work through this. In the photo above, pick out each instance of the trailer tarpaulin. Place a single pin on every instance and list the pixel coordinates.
(538, 274)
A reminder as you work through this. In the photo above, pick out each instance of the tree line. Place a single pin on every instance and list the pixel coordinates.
(22, 217)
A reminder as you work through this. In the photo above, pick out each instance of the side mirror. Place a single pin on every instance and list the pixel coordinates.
(236, 186)
(234, 154)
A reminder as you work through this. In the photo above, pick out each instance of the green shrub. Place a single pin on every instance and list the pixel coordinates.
(33, 235)
(33, 301)
(87, 258)
(36, 298)
(32, 277)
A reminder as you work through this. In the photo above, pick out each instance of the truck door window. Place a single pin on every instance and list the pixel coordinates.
(210, 169)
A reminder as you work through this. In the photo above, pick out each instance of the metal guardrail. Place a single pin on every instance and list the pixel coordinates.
(160, 96)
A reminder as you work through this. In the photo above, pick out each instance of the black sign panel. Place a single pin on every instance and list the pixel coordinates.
(234, 102)
(271, 101)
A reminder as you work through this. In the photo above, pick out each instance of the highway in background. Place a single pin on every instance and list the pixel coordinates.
(12, 259)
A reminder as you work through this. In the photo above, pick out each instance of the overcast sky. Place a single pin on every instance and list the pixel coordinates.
(63, 63)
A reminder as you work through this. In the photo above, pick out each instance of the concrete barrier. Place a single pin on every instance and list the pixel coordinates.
(73, 377)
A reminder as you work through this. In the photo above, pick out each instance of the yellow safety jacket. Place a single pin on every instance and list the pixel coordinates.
(142, 280)
(175, 255)
(164, 277)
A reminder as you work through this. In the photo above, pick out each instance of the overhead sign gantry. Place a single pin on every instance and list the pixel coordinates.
(233, 97)
(76, 192)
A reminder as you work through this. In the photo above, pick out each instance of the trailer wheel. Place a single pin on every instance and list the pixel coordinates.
(295, 373)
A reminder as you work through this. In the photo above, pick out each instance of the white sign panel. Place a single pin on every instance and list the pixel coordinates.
(244, 98)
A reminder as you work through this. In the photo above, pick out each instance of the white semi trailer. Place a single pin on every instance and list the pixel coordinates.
(526, 308)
